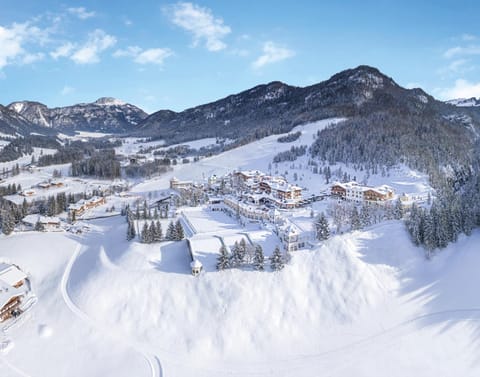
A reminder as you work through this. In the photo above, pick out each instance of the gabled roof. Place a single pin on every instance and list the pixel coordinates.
(10, 274)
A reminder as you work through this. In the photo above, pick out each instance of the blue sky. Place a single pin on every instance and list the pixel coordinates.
(175, 55)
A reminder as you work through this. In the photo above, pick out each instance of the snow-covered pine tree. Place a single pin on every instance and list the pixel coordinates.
(152, 230)
(258, 259)
(39, 227)
(322, 229)
(8, 223)
(235, 257)
(179, 233)
(242, 247)
(276, 260)
(355, 222)
(398, 210)
(158, 231)
(223, 260)
(145, 234)
(171, 235)
(365, 216)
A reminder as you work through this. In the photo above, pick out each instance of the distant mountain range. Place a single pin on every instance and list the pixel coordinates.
(465, 102)
(263, 110)
(104, 115)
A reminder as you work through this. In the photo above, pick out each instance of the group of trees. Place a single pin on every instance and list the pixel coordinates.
(152, 233)
(175, 231)
(442, 223)
(245, 255)
(101, 164)
(358, 216)
(290, 155)
(24, 146)
(10, 189)
(292, 136)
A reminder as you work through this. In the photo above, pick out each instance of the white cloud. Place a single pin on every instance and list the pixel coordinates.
(272, 53)
(81, 13)
(13, 41)
(62, 51)
(201, 23)
(461, 89)
(66, 90)
(32, 58)
(130, 51)
(153, 56)
(462, 51)
(148, 56)
(98, 41)
(468, 37)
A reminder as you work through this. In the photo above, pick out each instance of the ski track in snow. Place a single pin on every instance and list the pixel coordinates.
(152, 360)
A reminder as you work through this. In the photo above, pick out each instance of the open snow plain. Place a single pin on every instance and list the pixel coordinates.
(365, 303)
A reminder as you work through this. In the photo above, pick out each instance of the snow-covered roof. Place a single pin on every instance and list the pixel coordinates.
(196, 264)
(10, 274)
(7, 292)
(32, 219)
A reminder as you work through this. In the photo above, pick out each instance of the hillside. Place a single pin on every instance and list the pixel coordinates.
(277, 107)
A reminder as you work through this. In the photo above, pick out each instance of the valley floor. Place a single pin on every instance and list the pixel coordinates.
(365, 304)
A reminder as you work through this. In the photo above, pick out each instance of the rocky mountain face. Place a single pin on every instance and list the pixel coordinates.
(13, 124)
(277, 107)
(104, 115)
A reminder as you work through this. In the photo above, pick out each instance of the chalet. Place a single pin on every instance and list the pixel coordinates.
(82, 205)
(28, 192)
(292, 236)
(13, 289)
(176, 184)
(49, 223)
(355, 192)
(376, 194)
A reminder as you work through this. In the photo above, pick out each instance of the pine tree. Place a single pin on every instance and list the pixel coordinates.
(131, 225)
(398, 210)
(145, 234)
(235, 257)
(152, 230)
(355, 219)
(223, 261)
(171, 236)
(51, 206)
(276, 260)
(158, 232)
(39, 227)
(145, 210)
(258, 259)
(322, 229)
(179, 233)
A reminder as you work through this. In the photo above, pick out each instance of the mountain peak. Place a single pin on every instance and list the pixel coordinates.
(109, 101)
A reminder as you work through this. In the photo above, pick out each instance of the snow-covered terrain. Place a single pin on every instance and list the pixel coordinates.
(365, 303)
(359, 304)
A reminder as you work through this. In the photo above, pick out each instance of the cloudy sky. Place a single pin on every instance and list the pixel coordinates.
(162, 54)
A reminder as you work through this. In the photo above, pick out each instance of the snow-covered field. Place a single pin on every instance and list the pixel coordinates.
(365, 303)
(359, 304)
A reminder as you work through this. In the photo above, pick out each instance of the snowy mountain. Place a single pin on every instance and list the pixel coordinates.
(464, 102)
(277, 107)
(106, 115)
(12, 124)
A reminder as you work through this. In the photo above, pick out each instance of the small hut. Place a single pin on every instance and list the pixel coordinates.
(196, 267)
